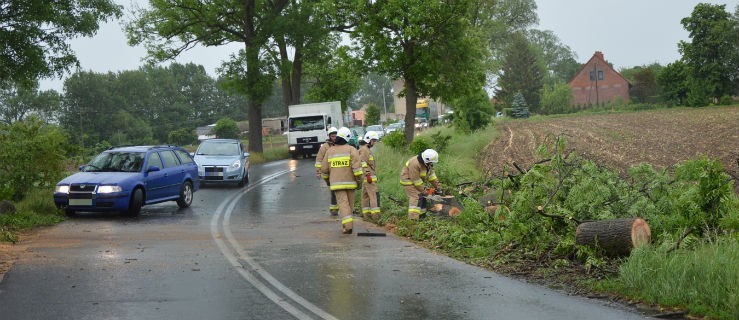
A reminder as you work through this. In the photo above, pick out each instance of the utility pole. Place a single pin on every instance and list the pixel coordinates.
(384, 105)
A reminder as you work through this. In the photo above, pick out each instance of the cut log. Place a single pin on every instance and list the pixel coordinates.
(445, 206)
(616, 237)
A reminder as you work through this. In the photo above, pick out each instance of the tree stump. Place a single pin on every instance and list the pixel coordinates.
(446, 206)
(616, 237)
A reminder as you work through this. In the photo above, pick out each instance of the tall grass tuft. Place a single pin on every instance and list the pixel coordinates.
(36, 209)
(705, 280)
(269, 154)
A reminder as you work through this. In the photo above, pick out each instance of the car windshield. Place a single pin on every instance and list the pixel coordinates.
(374, 128)
(306, 123)
(396, 125)
(218, 149)
(116, 162)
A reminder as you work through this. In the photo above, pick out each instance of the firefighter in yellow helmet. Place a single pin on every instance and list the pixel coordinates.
(370, 193)
(343, 170)
(417, 170)
(333, 208)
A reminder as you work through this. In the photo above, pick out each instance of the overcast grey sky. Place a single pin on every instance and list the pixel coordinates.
(628, 32)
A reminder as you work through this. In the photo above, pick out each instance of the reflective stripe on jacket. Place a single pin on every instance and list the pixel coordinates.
(342, 166)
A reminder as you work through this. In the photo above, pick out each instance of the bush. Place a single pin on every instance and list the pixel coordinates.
(226, 128)
(419, 144)
(32, 157)
(181, 137)
(726, 101)
(395, 140)
(440, 141)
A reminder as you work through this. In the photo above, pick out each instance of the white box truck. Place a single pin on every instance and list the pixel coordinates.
(308, 125)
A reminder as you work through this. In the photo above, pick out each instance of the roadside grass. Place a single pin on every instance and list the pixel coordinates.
(36, 209)
(704, 281)
(269, 154)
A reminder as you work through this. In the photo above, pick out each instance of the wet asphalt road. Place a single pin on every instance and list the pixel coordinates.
(266, 251)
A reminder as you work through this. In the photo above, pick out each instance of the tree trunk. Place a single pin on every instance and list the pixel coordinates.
(297, 74)
(410, 109)
(616, 237)
(285, 74)
(253, 75)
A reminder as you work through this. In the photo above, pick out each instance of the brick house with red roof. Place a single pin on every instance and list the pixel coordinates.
(598, 83)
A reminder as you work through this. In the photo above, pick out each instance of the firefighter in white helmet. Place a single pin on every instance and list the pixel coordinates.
(370, 193)
(333, 208)
(343, 170)
(417, 170)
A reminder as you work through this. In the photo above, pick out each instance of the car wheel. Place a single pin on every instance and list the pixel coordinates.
(244, 179)
(70, 212)
(137, 201)
(185, 199)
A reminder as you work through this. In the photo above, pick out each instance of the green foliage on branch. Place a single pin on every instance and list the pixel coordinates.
(35, 34)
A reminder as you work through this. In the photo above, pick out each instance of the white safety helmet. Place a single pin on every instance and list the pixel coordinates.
(430, 156)
(332, 130)
(344, 133)
(371, 135)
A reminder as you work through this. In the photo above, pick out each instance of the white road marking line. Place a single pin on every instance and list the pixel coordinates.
(236, 255)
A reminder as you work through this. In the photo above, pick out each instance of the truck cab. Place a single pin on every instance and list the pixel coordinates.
(308, 125)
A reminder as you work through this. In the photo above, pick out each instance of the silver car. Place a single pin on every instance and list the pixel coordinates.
(380, 130)
(222, 161)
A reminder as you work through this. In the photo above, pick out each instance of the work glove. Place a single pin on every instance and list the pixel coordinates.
(369, 178)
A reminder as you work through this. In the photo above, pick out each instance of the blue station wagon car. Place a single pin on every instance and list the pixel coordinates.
(127, 178)
(222, 161)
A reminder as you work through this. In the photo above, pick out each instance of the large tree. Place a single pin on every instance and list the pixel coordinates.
(559, 60)
(333, 77)
(523, 72)
(499, 21)
(299, 28)
(430, 45)
(673, 79)
(34, 35)
(170, 27)
(712, 56)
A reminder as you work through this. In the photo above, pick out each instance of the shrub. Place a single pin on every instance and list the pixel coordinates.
(395, 140)
(226, 128)
(181, 137)
(440, 141)
(419, 144)
(32, 156)
(726, 101)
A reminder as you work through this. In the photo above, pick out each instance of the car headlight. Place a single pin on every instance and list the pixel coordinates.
(236, 164)
(292, 148)
(61, 189)
(109, 189)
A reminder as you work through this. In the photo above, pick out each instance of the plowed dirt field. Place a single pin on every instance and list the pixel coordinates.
(662, 138)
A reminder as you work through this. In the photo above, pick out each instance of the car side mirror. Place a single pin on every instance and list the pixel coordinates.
(246, 154)
(82, 167)
(192, 154)
(152, 169)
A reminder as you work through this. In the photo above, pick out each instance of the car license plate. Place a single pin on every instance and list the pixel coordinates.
(308, 147)
(80, 202)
